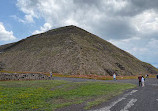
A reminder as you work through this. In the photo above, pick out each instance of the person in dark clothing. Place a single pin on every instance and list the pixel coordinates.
(51, 74)
(146, 76)
(140, 78)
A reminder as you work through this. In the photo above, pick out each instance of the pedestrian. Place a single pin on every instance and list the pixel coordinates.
(114, 76)
(146, 76)
(140, 79)
(51, 74)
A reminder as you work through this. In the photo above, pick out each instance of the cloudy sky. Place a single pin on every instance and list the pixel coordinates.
(131, 25)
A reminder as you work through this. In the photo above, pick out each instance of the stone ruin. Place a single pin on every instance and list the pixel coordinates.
(22, 76)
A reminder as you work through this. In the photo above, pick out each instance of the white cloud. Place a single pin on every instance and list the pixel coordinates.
(116, 5)
(17, 18)
(144, 49)
(5, 35)
(29, 9)
(85, 14)
(29, 19)
(146, 22)
(44, 28)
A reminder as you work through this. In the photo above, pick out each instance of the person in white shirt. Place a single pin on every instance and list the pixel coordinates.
(114, 76)
(142, 81)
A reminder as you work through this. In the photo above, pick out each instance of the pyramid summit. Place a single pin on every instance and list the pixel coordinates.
(71, 50)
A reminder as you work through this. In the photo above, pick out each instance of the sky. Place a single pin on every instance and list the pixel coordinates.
(131, 25)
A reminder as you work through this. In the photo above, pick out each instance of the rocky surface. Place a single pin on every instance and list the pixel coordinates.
(71, 50)
(28, 76)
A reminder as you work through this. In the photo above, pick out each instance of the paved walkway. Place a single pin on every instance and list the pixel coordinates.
(138, 99)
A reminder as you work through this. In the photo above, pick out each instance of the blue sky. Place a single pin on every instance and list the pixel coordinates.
(131, 25)
(7, 10)
(11, 16)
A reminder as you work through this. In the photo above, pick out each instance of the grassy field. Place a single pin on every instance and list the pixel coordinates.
(52, 94)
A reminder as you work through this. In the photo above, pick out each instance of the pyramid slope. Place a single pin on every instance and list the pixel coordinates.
(71, 50)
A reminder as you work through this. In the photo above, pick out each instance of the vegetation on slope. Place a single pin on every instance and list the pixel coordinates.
(71, 50)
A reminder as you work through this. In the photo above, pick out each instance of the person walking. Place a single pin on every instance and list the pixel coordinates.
(51, 74)
(140, 79)
(146, 76)
(114, 76)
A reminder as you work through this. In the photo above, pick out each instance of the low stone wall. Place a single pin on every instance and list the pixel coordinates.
(27, 76)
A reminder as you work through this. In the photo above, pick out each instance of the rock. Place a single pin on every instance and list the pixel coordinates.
(22, 76)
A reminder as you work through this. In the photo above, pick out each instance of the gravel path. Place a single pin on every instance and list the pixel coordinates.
(138, 99)
(133, 81)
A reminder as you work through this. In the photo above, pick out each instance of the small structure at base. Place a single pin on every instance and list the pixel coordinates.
(22, 76)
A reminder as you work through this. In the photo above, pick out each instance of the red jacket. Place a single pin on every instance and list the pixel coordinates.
(139, 78)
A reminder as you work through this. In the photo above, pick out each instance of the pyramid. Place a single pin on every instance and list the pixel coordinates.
(71, 50)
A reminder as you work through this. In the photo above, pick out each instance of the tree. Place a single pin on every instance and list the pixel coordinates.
(2, 66)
